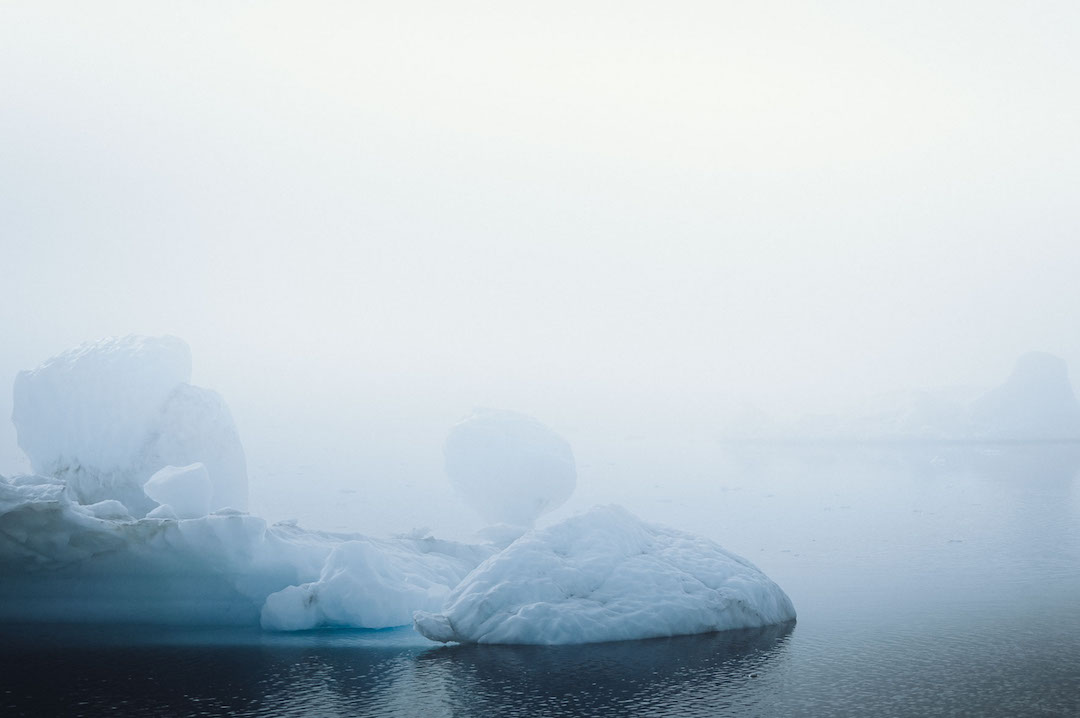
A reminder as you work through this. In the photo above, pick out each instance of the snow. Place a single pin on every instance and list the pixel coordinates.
(509, 467)
(107, 415)
(185, 490)
(605, 576)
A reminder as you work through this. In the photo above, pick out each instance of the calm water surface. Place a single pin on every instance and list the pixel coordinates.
(928, 581)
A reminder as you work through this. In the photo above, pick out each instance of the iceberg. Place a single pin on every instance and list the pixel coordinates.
(135, 513)
(1036, 402)
(372, 583)
(107, 415)
(66, 562)
(183, 491)
(605, 576)
(509, 467)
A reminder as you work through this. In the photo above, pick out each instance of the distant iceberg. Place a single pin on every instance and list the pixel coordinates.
(606, 576)
(509, 467)
(1035, 403)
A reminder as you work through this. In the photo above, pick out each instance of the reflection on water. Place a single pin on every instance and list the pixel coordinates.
(689, 675)
(352, 673)
(934, 580)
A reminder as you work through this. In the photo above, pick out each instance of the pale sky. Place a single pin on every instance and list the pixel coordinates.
(544, 207)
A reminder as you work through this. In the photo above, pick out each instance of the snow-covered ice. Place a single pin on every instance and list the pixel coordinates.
(509, 467)
(606, 576)
(107, 415)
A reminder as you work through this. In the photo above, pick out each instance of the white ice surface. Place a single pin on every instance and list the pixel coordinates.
(185, 489)
(373, 583)
(62, 561)
(605, 576)
(107, 415)
(509, 467)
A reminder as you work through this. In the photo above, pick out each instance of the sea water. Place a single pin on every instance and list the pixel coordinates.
(929, 580)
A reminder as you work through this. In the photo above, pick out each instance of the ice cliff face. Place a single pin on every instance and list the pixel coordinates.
(106, 416)
(606, 576)
(509, 467)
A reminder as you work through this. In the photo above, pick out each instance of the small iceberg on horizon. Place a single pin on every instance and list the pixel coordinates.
(606, 575)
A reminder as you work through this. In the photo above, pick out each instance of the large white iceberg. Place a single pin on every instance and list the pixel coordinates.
(63, 561)
(107, 415)
(509, 467)
(606, 576)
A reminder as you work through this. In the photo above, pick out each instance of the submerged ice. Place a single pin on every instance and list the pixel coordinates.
(135, 514)
(606, 576)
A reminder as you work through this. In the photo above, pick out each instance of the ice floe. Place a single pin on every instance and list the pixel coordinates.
(606, 576)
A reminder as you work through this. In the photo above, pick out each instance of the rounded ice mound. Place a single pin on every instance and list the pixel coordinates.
(106, 415)
(606, 576)
(508, 466)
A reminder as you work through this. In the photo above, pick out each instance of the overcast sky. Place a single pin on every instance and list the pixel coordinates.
(543, 205)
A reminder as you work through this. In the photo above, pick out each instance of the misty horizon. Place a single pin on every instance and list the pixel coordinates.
(416, 323)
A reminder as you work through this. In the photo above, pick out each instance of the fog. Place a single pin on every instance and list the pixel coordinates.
(630, 221)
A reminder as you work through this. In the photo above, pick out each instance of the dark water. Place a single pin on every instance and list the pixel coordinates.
(928, 582)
